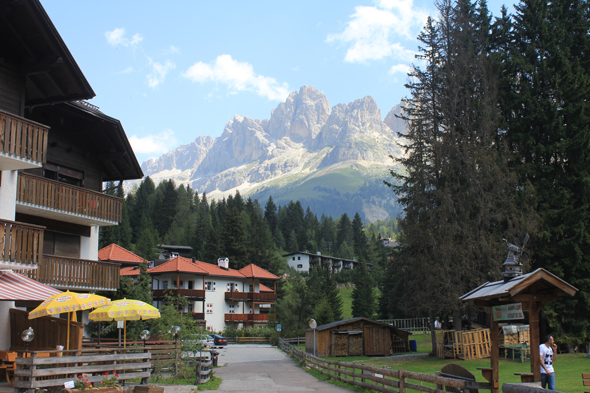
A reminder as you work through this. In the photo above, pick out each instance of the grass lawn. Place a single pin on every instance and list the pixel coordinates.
(346, 296)
(568, 367)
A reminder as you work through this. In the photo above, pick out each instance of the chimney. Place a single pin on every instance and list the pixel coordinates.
(223, 263)
(194, 260)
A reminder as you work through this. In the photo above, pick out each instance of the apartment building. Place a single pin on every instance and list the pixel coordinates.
(217, 295)
(56, 151)
(305, 262)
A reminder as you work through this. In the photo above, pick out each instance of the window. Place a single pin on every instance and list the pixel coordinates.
(190, 308)
(298, 258)
(250, 288)
(232, 309)
(293, 258)
(70, 176)
(60, 244)
(180, 284)
(164, 284)
(300, 266)
(189, 284)
(232, 286)
(210, 286)
(209, 308)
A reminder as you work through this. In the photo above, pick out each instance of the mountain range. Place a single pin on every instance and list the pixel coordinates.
(332, 159)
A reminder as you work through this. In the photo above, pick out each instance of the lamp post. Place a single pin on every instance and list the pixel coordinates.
(27, 335)
(313, 324)
(144, 335)
(175, 331)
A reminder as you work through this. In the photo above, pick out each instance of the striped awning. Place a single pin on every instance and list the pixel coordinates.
(15, 286)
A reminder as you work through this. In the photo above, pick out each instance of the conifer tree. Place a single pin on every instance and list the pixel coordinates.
(363, 296)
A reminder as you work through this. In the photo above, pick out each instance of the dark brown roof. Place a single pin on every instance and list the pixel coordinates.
(31, 42)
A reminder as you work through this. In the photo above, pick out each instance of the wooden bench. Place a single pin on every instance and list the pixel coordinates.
(586, 380)
(526, 377)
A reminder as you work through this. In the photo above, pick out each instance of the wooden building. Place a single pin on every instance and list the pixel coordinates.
(356, 337)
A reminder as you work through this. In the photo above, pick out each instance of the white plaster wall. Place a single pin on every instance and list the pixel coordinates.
(304, 261)
(89, 245)
(5, 323)
(8, 195)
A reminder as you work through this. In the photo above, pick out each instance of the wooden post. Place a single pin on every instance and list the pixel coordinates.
(535, 340)
(402, 388)
(494, 360)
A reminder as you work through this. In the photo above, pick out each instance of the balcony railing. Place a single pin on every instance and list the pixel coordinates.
(250, 296)
(81, 274)
(21, 244)
(198, 316)
(193, 294)
(23, 139)
(248, 318)
(57, 196)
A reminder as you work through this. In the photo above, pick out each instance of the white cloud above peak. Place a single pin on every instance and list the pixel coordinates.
(238, 76)
(375, 32)
(154, 144)
(118, 37)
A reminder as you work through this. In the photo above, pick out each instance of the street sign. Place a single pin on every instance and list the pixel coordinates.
(508, 312)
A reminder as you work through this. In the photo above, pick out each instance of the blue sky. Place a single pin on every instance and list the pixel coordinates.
(173, 70)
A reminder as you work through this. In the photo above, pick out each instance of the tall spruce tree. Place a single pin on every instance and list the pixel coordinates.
(363, 295)
(546, 112)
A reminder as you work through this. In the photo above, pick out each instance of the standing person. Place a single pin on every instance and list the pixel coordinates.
(547, 352)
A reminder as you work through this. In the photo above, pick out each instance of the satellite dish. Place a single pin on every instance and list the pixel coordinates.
(312, 323)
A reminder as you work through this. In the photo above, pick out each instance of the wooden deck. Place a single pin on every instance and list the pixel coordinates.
(60, 197)
(23, 139)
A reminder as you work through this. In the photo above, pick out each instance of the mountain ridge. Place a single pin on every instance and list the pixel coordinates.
(304, 139)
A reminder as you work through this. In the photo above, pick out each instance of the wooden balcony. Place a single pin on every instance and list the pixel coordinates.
(21, 245)
(250, 297)
(193, 294)
(23, 143)
(77, 274)
(199, 316)
(247, 318)
(53, 199)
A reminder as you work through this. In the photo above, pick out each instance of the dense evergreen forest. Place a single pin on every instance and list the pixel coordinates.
(239, 229)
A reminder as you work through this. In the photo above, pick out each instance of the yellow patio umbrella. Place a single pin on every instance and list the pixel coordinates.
(125, 310)
(68, 302)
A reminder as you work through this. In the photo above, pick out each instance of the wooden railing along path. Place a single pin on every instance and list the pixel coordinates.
(379, 379)
(20, 243)
(72, 273)
(58, 196)
(23, 138)
(34, 372)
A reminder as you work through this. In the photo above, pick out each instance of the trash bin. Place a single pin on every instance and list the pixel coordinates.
(413, 346)
(214, 356)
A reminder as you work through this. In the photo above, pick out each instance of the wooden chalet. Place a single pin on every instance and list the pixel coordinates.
(356, 337)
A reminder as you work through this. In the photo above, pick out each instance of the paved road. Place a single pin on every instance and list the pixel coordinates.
(263, 369)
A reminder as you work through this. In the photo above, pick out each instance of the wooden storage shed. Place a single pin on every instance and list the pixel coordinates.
(356, 337)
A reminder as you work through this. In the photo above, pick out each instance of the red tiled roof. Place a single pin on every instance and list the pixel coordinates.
(253, 271)
(178, 264)
(129, 271)
(116, 253)
(264, 288)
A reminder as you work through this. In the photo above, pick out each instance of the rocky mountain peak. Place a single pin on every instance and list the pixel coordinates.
(301, 116)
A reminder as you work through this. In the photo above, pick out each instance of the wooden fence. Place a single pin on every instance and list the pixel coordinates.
(421, 324)
(52, 370)
(380, 379)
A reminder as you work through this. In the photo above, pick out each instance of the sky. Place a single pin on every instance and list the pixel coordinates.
(173, 70)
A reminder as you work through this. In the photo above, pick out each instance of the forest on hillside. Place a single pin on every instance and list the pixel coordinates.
(242, 230)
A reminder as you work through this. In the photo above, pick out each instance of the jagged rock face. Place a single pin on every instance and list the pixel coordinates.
(301, 137)
(394, 123)
(301, 116)
(184, 157)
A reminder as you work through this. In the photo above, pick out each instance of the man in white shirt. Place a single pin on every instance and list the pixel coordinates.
(547, 352)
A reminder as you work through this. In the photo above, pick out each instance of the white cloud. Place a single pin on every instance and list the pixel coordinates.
(400, 68)
(172, 50)
(238, 77)
(159, 72)
(127, 70)
(117, 37)
(154, 144)
(371, 32)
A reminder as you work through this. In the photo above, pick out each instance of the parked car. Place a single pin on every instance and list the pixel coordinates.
(219, 340)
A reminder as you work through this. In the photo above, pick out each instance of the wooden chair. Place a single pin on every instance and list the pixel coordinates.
(586, 379)
(9, 366)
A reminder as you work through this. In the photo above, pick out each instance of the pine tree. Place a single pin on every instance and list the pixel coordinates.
(363, 296)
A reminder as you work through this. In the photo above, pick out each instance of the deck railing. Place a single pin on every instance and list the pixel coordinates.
(252, 318)
(71, 273)
(23, 138)
(20, 244)
(250, 296)
(198, 294)
(55, 195)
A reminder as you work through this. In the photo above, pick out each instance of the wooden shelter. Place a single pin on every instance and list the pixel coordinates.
(356, 337)
(531, 291)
